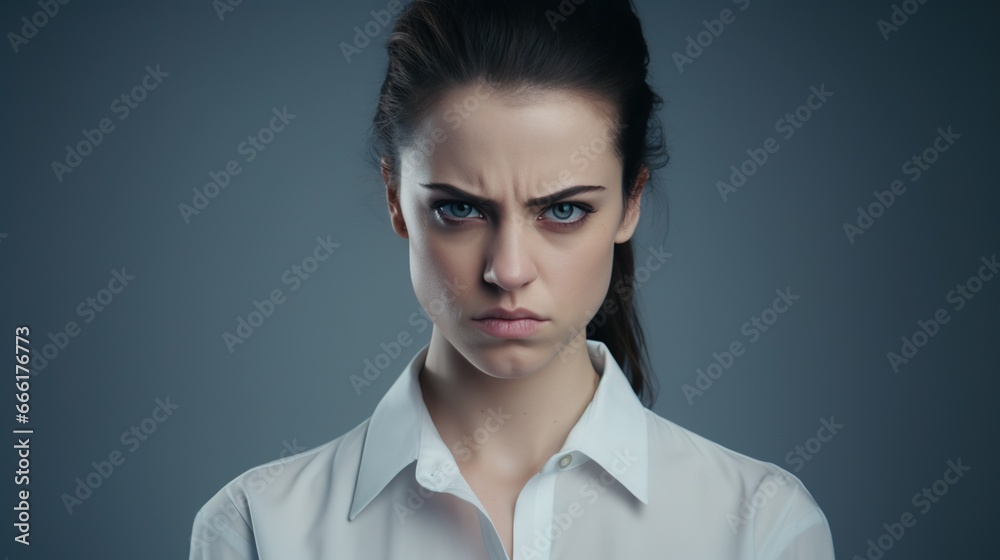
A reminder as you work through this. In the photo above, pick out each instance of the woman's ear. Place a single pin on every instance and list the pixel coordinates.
(630, 219)
(392, 199)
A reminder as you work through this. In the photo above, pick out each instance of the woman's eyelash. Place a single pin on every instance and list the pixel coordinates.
(585, 208)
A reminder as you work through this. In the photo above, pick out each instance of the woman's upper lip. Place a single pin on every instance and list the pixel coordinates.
(501, 313)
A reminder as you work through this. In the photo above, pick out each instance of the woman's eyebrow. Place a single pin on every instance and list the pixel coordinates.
(533, 203)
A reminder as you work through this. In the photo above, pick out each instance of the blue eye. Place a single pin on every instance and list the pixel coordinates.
(562, 212)
(463, 208)
(566, 207)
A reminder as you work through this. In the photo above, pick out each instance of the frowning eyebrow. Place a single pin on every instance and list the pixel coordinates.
(533, 203)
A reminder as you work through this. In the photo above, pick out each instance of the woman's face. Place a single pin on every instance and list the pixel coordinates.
(492, 247)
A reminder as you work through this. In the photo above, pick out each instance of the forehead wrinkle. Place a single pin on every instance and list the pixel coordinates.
(501, 178)
(502, 182)
(500, 185)
(520, 170)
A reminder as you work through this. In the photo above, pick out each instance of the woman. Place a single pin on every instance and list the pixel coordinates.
(515, 140)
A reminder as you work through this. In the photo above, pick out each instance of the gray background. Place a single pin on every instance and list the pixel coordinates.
(289, 382)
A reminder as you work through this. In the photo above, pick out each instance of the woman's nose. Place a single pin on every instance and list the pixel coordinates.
(509, 262)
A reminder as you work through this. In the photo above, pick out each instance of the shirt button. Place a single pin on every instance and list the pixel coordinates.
(565, 460)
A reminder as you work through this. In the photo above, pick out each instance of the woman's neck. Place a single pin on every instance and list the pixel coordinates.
(507, 425)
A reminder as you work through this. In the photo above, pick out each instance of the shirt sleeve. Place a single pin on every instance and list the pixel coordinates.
(790, 524)
(222, 529)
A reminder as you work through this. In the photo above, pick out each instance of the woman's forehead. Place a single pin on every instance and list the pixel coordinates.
(551, 136)
(483, 108)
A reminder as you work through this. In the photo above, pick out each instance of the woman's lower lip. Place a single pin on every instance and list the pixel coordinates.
(509, 328)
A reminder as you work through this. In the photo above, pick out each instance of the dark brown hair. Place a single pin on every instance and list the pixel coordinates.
(591, 47)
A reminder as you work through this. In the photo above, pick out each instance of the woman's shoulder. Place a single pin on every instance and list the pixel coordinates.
(279, 487)
(688, 465)
(683, 446)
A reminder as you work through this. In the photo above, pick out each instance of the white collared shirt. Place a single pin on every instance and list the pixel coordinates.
(627, 483)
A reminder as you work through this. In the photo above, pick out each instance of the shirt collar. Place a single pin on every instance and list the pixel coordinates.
(612, 431)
